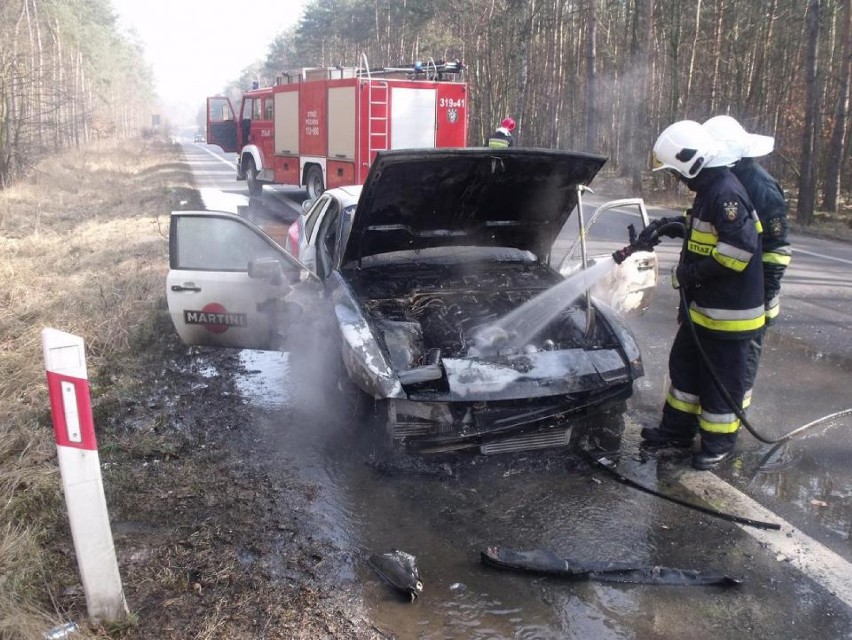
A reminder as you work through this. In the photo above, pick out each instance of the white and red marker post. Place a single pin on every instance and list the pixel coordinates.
(79, 465)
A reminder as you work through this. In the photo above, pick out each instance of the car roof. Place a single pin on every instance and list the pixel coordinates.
(348, 195)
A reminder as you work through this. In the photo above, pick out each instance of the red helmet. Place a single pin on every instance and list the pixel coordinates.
(508, 123)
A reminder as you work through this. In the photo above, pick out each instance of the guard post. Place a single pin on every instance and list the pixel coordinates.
(79, 465)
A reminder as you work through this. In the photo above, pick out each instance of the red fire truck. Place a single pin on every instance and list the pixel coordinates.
(322, 127)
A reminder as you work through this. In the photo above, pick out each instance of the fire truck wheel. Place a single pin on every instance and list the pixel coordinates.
(255, 187)
(313, 182)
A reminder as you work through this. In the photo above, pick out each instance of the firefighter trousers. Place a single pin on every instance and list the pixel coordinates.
(755, 350)
(694, 404)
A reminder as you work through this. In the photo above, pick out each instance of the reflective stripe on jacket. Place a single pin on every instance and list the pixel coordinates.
(767, 196)
(500, 139)
(723, 243)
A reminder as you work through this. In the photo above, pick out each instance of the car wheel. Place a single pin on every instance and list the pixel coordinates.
(255, 186)
(314, 183)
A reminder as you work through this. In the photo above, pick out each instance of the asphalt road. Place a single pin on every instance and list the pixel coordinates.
(797, 582)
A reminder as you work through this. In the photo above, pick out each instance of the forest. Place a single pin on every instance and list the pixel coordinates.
(590, 75)
(608, 75)
(67, 76)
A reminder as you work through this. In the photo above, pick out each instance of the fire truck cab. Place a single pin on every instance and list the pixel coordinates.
(321, 127)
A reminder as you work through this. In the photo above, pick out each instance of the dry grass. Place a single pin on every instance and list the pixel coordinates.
(83, 248)
(203, 536)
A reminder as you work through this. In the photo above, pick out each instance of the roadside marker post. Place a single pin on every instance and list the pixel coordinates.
(79, 465)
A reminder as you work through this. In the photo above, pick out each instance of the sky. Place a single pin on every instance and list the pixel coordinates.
(196, 46)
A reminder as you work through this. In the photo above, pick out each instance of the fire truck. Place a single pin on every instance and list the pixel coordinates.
(321, 127)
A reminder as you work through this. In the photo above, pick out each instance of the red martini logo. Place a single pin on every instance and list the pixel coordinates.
(215, 318)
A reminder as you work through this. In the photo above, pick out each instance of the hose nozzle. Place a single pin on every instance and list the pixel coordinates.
(622, 254)
(625, 252)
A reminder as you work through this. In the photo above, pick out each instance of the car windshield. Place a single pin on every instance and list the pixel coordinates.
(314, 215)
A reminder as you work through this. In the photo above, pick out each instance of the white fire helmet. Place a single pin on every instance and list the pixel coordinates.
(737, 142)
(686, 147)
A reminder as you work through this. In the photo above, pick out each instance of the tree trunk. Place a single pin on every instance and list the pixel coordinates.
(756, 99)
(642, 37)
(715, 88)
(591, 77)
(521, 90)
(686, 102)
(836, 147)
(807, 178)
(38, 82)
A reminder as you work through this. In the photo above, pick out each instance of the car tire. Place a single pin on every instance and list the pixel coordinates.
(313, 182)
(255, 186)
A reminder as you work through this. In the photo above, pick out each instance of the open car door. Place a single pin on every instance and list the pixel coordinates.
(628, 286)
(221, 123)
(231, 285)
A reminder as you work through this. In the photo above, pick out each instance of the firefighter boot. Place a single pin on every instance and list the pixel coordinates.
(705, 460)
(658, 438)
(715, 449)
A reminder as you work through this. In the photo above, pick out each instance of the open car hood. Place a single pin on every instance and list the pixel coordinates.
(420, 198)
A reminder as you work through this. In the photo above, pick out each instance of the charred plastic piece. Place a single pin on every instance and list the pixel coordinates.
(399, 570)
(547, 562)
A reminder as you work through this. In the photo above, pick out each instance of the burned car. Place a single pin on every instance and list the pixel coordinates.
(446, 310)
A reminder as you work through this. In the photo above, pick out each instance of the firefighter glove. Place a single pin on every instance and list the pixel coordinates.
(661, 228)
(650, 237)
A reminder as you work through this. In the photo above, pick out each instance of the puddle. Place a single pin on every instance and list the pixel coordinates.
(796, 384)
(446, 511)
(266, 378)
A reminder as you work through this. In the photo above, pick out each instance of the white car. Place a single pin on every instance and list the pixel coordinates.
(437, 295)
(303, 233)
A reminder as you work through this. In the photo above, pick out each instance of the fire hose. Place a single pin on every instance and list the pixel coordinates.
(676, 228)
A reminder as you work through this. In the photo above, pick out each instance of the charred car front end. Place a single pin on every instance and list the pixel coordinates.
(445, 246)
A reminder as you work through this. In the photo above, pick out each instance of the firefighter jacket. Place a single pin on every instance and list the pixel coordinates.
(768, 199)
(722, 254)
(500, 139)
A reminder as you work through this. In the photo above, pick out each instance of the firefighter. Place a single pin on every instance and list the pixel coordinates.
(502, 136)
(721, 275)
(768, 198)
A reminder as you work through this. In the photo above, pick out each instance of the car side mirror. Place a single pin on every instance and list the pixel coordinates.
(307, 204)
(267, 269)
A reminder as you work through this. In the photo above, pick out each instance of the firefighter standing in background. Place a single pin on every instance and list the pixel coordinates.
(721, 274)
(502, 136)
(767, 196)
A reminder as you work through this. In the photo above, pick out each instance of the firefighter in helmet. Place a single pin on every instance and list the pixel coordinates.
(502, 136)
(721, 276)
(767, 196)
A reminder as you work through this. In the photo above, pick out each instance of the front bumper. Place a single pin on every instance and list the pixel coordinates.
(430, 427)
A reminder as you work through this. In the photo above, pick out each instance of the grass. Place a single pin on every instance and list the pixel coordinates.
(203, 533)
(83, 248)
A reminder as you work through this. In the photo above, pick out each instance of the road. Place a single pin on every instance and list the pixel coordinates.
(797, 583)
(215, 177)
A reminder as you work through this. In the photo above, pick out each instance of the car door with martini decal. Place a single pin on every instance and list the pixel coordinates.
(229, 283)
